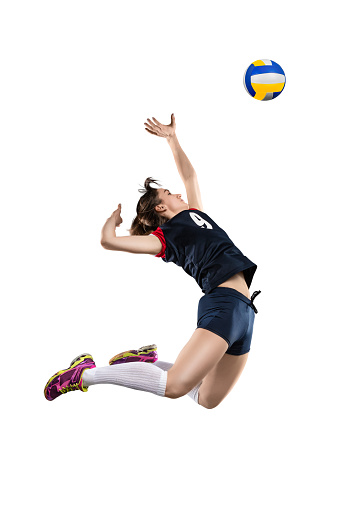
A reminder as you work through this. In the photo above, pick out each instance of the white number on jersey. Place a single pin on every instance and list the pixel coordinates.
(200, 221)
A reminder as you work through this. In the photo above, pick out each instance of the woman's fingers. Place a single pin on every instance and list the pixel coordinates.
(151, 132)
(153, 127)
(156, 121)
(149, 120)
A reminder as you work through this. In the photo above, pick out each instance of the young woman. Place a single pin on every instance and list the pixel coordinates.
(212, 361)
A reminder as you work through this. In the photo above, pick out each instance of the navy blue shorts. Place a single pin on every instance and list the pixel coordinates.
(229, 314)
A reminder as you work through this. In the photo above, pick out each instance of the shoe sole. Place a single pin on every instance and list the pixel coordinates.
(139, 351)
(146, 347)
(79, 357)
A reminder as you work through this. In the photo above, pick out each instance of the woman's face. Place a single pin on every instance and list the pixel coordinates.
(173, 202)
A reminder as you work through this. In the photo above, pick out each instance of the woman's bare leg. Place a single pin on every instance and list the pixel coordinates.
(220, 380)
(201, 367)
(202, 352)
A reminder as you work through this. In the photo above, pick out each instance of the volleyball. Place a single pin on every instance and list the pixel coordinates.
(264, 79)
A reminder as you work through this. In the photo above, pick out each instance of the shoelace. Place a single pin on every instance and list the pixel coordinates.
(70, 387)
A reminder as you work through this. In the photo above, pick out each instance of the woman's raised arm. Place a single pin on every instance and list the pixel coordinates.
(185, 169)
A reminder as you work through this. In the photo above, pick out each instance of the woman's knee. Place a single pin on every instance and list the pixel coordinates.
(175, 391)
(175, 387)
(208, 404)
(210, 401)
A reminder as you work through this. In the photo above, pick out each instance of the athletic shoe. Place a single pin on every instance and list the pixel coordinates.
(148, 354)
(69, 379)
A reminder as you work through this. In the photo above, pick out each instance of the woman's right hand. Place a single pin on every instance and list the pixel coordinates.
(166, 131)
(116, 216)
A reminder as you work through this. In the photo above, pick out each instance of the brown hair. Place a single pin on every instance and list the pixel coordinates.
(147, 219)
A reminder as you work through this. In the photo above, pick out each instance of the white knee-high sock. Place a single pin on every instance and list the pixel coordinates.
(194, 393)
(139, 376)
(151, 377)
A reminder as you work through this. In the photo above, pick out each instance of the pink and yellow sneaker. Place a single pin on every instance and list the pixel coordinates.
(148, 354)
(69, 379)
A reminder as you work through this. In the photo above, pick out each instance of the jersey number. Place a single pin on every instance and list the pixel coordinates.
(198, 220)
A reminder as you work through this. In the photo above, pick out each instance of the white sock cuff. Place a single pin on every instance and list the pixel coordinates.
(162, 384)
(194, 393)
(88, 376)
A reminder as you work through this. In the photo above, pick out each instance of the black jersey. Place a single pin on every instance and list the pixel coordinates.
(193, 241)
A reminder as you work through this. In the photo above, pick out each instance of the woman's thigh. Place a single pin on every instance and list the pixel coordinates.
(201, 353)
(217, 384)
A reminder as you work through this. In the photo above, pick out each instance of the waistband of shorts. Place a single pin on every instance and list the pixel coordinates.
(231, 292)
(237, 294)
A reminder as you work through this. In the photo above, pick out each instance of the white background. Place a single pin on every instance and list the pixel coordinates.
(79, 79)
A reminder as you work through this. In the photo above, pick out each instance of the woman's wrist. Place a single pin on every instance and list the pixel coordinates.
(173, 141)
(109, 228)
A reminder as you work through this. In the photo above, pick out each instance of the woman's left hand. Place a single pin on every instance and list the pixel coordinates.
(163, 130)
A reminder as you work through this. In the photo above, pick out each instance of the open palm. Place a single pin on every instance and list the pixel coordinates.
(158, 129)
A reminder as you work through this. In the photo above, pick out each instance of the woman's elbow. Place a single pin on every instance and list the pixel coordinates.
(105, 244)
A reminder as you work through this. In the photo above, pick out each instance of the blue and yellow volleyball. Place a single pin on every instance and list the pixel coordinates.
(264, 79)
